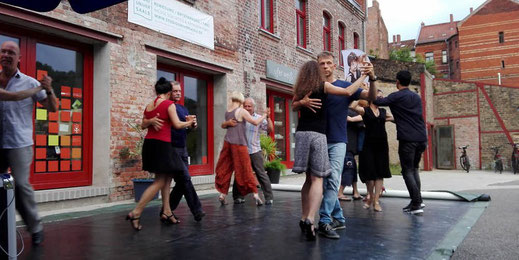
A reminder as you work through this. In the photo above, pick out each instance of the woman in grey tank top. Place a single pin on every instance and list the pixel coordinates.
(234, 156)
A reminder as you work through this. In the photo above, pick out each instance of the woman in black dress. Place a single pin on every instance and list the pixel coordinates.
(374, 157)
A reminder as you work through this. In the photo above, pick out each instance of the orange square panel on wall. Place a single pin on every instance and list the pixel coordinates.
(65, 103)
(76, 165)
(53, 166)
(77, 93)
(65, 166)
(41, 153)
(76, 153)
(41, 166)
(41, 140)
(76, 117)
(76, 140)
(65, 91)
(65, 153)
(65, 140)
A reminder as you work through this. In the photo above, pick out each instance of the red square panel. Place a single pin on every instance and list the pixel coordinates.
(65, 153)
(76, 117)
(65, 103)
(76, 140)
(65, 116)
(65, 91)
(41, 153)
(41, 140)
(38, 104)
(41, 166)
(53, 166)
(65, 166)
(40, 74)
(53, 116)
(53, 128)
(76, 165)
(76, 129)
(77, 92)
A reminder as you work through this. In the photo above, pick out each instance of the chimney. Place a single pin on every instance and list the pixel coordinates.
(423, 24)
(452, 18)
(394, 38)
(471, 10)
(398, 38)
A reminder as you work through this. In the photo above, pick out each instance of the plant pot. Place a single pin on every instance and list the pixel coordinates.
(139, 186)
(273, 175)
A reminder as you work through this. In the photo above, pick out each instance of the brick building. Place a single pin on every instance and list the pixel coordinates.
(376, 33)
(433, 44)
(398, 44)
(104, 68)
(488, 42)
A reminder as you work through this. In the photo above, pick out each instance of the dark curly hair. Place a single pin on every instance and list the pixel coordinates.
(163, 86)
(308, 80)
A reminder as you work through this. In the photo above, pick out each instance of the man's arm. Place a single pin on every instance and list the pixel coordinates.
(50, 103)
(385, 101)
(15, 96)
(270, 125)
(156, 122)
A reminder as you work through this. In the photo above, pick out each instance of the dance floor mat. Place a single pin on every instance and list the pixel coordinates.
(245, 231)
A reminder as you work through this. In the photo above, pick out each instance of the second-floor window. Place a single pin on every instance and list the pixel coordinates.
(429, 56)
(444, 57)
(267, 15)
(327, 42)
(341, 43)
(301, 23)
(501, 37)
(355, 40)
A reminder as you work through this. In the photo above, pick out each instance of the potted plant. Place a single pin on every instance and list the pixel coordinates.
(272, 163)
(132, 155)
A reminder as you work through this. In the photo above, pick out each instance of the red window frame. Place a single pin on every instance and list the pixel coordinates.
(270, 104)
(28, 40)
(204, 169)
(327, 44)
(301, 14)
(263, 12)
(341, 43)
(355, 40)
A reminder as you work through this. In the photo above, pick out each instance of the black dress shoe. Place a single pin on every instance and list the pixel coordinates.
(37, 238)
(199, 216)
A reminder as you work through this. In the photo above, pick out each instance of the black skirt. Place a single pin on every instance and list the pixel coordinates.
(159, 157)
(374, 162)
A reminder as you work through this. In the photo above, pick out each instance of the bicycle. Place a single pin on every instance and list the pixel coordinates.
(464, 158)
(498, 161)
(515, 157)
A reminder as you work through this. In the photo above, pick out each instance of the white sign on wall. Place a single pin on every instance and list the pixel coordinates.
(173, 18)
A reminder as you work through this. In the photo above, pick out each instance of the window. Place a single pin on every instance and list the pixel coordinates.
(355, 40)
(457, 64)
(197, 98)
(444, 57)
(285, 123)
(429, 56)
(267, 15)
(327, 42)
(502, 64)
(341, 43)
(456, 44)
(62, 139)
(301, 23)
(501, 37)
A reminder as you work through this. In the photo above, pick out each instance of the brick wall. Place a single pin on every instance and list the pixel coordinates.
(442, 69)
(471, 108)
(376, 33)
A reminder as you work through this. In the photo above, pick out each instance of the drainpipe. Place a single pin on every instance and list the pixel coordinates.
(448, 58)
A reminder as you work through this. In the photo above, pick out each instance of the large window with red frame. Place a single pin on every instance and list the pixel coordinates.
(266, 8)
(197, 97)
(301, 22)
(341, 43)
(285, 123)
(62, 139)
(327, 40)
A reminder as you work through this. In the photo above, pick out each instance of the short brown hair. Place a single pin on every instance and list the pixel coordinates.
(325, 54)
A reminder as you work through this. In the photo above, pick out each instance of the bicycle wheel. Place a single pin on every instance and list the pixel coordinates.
(464, 163)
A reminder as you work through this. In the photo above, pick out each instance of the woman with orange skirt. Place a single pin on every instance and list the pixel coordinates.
(234, 156)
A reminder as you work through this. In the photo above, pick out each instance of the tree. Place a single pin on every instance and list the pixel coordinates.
(402, 54)
(429, 65)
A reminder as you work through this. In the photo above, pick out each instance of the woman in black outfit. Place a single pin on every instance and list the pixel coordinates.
(374, 157)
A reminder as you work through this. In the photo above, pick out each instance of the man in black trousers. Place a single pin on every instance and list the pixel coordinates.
(406, 107)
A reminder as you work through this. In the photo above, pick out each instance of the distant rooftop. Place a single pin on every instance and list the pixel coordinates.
(437, 32)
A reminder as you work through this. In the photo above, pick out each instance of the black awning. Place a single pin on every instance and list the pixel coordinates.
(80, 6)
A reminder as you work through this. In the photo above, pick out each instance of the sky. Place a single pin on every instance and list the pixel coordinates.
(405, 16)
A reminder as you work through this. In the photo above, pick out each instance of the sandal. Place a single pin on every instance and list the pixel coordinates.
(309, 230)
(221, 198)
(169, 219)
(357, 198)
(367, 204)
(345, 198)
(131, 218)
(162, 213)
(377, 207)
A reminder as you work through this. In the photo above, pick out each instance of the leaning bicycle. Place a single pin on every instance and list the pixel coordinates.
(464, 158)
(498, 161)
(515, 158)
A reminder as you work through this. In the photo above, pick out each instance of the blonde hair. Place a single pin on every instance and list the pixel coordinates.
(237, 96)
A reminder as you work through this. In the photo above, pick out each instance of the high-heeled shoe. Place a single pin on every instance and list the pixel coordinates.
(367, 204)
(309, 230)
(162, 212)
(221, 198)
(383, 190)
(377, 207)
(302, 226)
(169, 219)
(258, 201)
(135, 225)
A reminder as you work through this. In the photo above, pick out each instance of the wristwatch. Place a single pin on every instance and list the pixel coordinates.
(374, 78)
(49, 92)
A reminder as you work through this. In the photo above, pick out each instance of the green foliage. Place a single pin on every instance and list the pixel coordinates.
(402, 54)
(395, 169)
(136, 151)
(275, 165)
(429, 65)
